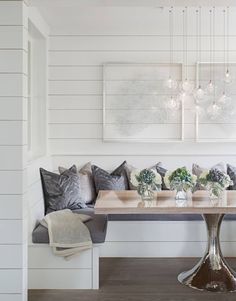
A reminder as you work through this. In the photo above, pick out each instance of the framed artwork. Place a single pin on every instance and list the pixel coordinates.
(136, 103)
(216, 115)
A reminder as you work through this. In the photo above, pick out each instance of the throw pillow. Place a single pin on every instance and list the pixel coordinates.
(87, 186)
(117, 180)
(61, 191)
(231, 171)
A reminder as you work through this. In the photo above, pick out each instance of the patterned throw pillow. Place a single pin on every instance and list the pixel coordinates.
(117, 180)
(157, 167)
(198, 170)
(61, 191)
(231, 171)
(87, 186)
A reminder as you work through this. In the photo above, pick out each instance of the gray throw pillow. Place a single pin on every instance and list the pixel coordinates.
(198, 170)
(162, 171)
(61, 191)
(87, 186)
(231, 171)
(117, 180)
(157, 167)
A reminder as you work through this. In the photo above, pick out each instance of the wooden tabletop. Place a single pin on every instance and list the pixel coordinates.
(128, 202)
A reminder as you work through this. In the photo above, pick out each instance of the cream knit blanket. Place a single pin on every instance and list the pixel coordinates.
(67, 233)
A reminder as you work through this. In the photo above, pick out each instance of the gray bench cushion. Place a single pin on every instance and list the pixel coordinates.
(161, 217)
(97, 228)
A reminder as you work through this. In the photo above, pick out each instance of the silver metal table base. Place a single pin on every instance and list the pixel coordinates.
(212, 273)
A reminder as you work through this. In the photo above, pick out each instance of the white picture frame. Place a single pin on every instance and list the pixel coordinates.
(116, 95)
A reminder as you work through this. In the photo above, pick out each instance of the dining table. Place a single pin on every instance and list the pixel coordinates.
(212, 272)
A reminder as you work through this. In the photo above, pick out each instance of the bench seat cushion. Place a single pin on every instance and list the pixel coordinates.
(97, 228)
(161, 217)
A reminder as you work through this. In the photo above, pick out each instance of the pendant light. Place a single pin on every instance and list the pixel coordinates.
(171, 83)
(224, 100)
(172, 103)
(199, 93)
(210, 86)
(214, 110)
(186, 85)
(227, 78)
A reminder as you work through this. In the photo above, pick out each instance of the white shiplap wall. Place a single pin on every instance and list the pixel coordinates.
(97, 35)
(13, 146)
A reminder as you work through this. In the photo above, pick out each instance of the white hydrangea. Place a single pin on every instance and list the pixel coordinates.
(204, 174)
(158, 179)
(166, 179)
(194, 179)
(133, 176)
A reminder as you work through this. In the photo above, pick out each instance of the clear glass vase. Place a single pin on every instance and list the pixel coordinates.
(181, 196)
(215, 193)
(146, 192)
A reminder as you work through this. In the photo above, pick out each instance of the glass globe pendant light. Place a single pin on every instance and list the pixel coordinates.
(171, 83)
(186, 85)
(227, 78)
(214, 111)
(172, 103)
(224, 100)
(199, 93)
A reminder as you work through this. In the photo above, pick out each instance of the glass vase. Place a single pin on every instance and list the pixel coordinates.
(215, 193)
(181, 196)
(146, 192)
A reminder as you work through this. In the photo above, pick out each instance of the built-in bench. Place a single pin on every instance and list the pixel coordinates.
(154, 235)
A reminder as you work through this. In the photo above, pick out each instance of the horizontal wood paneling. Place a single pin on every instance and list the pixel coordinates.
(11, 13)
(13, 61)
(18, 85)
(13, 133)
(83, 102)
(12, 108)
(125, 43)
(10, 232)
(64, 58)
(14, 155)
(11, 281)
(171, 161)
(10, 177)
(161, 249)
(11, 256)
(13, 37)
(75, 73)
(42, 257)
(11, 207)
(12, 297)
(58, 278)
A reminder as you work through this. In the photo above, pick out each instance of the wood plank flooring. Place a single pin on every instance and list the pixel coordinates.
(137, 279)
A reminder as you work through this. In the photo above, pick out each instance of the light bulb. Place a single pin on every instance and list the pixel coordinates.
(171, 83)
(172, 103)
(199, 110)
(214, 111)
(224, 100)
(227, 78)
(199, 93)
(210, 87)
(187, 86)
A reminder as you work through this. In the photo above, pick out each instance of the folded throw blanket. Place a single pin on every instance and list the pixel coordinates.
(67, 233)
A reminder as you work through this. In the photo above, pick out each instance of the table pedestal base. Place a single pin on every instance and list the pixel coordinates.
(212, 273)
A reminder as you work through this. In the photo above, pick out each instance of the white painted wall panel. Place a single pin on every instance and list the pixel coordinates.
(12, 108)
(11, 281)
(11, 207)
(11, 232)
(18, 85)
(12, 133)
(11, 61)
(13, 37)
(11, 13)
(55, 278)
(11, 256)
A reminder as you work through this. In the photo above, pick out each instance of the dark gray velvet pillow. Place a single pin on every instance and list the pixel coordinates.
(117, 180)
(162, 171)
(231, 171)
(61, 191)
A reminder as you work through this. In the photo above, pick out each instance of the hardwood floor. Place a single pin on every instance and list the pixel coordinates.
(137, 279)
